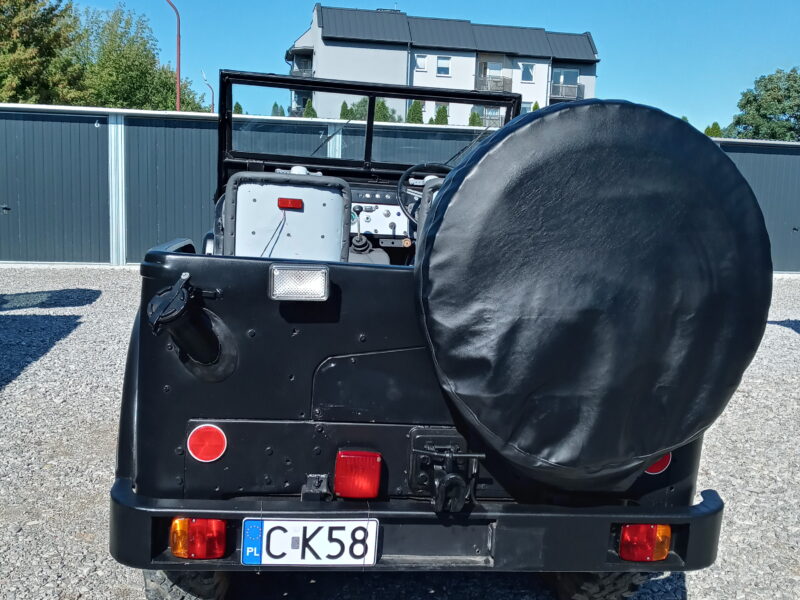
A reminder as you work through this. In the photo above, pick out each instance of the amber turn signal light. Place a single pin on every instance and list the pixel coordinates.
(643, 542)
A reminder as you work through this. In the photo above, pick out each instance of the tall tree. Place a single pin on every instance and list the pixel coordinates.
(237, 109)
(713, 130)
(383, 112)
(345, 113)
(475, 119)
(440, 118)
(276, 109)
(36, 61)
(120, 55)
(535, 106)
(771, 108)
(414, 114)
(308, 111)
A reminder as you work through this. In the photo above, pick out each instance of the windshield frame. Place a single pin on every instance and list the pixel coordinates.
(230, 160)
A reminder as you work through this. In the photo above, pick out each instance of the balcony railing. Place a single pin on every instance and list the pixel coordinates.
(302, 72)
(562, 91)
(493, 83)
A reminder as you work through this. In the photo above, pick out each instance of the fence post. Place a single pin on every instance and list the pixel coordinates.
(116, 188)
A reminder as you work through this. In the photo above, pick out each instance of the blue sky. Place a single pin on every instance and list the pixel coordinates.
(688, 58)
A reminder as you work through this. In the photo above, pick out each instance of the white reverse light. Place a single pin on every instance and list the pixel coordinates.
(304, 283)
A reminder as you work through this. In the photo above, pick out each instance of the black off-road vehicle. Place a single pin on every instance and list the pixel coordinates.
(416, 346)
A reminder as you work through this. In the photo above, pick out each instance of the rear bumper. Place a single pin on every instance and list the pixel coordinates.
(497, 536)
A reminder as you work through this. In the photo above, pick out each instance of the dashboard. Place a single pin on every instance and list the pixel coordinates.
(381, 216)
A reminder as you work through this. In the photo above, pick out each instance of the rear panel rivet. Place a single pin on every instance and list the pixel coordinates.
(268, 450)
(251, 333)
(317, 450)
(178, 450)
(167, 389)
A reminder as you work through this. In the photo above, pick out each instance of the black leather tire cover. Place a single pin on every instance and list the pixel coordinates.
(593, 279)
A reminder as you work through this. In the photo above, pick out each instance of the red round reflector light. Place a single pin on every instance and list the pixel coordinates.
(206, 443)
(660, 465)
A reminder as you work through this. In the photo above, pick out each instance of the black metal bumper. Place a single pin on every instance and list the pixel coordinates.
(498, 536)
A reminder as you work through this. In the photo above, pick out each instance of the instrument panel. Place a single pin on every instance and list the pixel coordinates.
(380, 214)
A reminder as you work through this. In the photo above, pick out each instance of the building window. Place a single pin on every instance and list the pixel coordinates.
(421, 62)
(443, 66)
(527, 72)
(565, 76)
(526, 107)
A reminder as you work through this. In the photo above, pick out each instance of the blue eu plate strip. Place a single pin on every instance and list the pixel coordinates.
(251, 542)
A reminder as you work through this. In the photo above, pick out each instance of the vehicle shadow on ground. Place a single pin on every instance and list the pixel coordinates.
(66, 298)
(792, 324)
(24, 339)
(419, 586)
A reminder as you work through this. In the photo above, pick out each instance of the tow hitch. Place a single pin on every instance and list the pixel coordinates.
(441, 469)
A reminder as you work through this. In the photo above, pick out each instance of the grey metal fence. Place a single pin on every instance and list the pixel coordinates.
(94, 185)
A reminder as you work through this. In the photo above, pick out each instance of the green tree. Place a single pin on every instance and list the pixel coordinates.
(430, 121)
(383, 113)
(346, 112)
(276, 109)
(120, 55)
(685, 118)
(359, 110)
(771, 108)
(535, 106)
(713, 130)
(440, 118)
(414, 114)
(281, 112)
(475, 119)
(237, 109)
(308, 111)
(37, 62)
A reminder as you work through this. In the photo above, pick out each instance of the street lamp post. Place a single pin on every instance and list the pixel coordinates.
(211, 89)
(178, 59)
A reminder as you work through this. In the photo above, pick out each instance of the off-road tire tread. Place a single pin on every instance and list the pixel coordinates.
(185, 585)
(598, 586)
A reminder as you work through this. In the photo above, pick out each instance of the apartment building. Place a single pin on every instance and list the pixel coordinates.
(389, 46)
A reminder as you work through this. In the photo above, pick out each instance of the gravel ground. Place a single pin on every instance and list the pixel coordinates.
(63, 336)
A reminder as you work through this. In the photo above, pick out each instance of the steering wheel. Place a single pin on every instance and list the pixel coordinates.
(406, 197)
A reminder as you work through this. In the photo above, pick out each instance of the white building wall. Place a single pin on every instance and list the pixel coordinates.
(538, 89)
(353, 61)
(462, 77)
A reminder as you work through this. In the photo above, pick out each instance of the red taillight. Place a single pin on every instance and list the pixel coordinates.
(290, 203)
(644, 542)
(358, 474)
(660, 465)
(206, 443)
(197, 538)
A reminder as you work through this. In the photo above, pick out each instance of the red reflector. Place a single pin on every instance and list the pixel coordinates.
(660, 465)
(358, 474)
(197, 538)
(290, 203)
(206, 443)
(644, 542)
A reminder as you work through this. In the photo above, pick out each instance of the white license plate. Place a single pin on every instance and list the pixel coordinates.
(287, 542)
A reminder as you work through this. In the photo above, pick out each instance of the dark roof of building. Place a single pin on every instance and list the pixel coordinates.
(396, 27)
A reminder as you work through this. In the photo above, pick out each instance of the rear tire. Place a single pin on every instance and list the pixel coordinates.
(597, 586)
(185, 585)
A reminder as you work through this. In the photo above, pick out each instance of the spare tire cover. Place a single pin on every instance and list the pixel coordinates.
(594, 279)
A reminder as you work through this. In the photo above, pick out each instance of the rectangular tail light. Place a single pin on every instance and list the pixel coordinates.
(358, 474)
(290, 204)
(644, 542)
(197, 538)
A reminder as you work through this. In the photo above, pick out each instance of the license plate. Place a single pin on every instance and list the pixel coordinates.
(287, 542)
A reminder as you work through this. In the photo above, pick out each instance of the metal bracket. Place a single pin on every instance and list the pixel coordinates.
(316, 488)
(441, 469)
